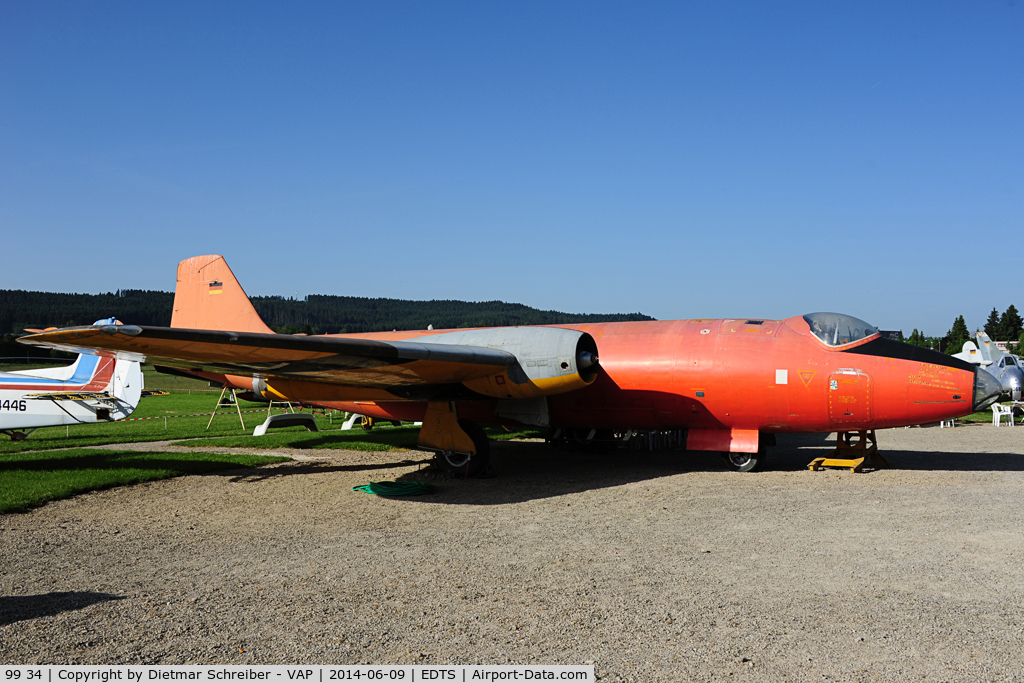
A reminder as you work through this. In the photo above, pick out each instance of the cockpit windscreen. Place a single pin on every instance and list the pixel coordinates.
(836, 329)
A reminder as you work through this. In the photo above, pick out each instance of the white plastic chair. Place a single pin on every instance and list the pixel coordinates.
(999, 412)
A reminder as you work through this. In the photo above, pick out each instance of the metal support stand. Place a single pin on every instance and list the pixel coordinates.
(287, 403)
(285, 420)
(222, 404)
(851, 454)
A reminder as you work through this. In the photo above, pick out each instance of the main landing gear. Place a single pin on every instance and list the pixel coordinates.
(602, 441)
(746, 462)
(460, 446)
(464, 464)
(751, 462)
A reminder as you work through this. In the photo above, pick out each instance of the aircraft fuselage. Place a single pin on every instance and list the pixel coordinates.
(745, 374)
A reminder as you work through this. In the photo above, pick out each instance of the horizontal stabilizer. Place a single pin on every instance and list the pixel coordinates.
(72, 396)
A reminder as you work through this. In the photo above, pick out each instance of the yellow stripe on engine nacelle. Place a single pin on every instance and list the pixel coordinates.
(500, 386)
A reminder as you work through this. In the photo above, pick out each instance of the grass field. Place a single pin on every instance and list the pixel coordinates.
(983, 416)
(175, 408)
(170, 419)
(173, 420)
(28, 480)
(33, 471)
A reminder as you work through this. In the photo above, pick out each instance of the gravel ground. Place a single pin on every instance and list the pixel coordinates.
(655, 567)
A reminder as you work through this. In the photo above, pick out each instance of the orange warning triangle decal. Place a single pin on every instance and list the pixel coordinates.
(806, 376)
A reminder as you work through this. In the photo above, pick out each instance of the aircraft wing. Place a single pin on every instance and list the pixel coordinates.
(336, 360)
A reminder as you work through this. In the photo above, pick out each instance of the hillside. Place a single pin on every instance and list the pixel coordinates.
(316, 314)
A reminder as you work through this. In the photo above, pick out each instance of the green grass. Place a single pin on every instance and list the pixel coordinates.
(502, 434)
(28, 480)
(178, 426)
(159, 380)
(986, 415)
(173, 407)
(33, 473)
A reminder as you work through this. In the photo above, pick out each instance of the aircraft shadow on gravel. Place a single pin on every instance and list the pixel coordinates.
(528, 471)
(318, 468)
(15, 608)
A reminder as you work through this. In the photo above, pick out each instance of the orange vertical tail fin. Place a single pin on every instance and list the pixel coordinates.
(208, 297)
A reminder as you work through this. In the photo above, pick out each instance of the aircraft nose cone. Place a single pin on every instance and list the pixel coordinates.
(585, 359)
(987, 389)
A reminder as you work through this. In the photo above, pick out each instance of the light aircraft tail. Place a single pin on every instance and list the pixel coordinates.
(92, 389)
(89, 376)
(127, 384)
(208, 297)
(81, 372)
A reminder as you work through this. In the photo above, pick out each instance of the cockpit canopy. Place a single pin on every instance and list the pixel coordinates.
(836, 329)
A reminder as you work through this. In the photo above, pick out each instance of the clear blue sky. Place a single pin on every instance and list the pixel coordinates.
(679, 159)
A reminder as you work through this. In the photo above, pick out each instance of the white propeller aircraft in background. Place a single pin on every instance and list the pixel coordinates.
(92, 389)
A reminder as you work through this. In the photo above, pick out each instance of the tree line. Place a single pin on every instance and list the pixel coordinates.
(314, 314)
(325, 314)
(1008, 327)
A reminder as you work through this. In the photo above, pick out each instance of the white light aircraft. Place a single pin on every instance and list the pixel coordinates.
(92, 389)
(1003, 366)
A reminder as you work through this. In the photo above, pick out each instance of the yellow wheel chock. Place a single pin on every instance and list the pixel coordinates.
(851, 454)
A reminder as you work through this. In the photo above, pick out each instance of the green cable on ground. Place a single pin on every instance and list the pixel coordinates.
(395, 488)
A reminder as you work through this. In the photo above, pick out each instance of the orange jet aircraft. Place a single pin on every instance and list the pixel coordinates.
(731, 384)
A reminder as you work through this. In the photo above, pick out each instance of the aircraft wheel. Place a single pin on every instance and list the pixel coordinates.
(745, 462)
(462, 464)
(366, 422)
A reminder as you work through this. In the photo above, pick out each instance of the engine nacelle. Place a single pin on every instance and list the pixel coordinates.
(552, 360)
(260, 389)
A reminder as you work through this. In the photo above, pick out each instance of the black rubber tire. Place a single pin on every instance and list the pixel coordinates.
(746, 462)
(463, 465)
(366, 422)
